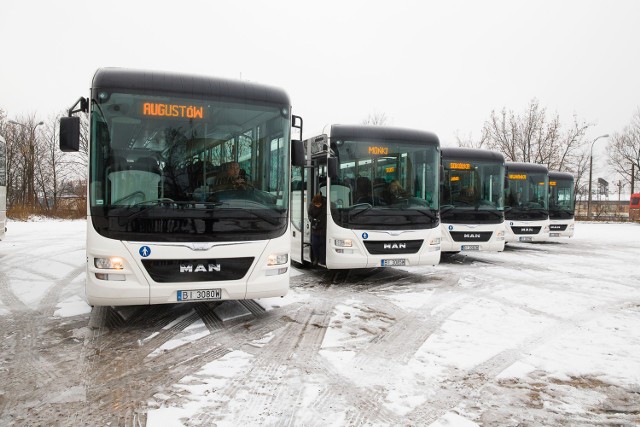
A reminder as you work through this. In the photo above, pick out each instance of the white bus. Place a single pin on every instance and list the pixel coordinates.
(369, 224)
(471, 200)
(3, 187)
(526, 202)
(167, 222)
(561, 204)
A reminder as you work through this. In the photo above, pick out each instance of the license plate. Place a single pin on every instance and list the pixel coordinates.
(526, 239)
(554, 234)
(470, 247)
(199, 295)
(393, 262)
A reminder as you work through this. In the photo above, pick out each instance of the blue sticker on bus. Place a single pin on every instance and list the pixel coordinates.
(365, 236)
(450, 227)
(145, 251)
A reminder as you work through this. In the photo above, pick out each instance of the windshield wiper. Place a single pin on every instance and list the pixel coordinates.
(428, 213)
(270, 219)
(499, 214)
(363, 206)
(152, 204)
(446, 208)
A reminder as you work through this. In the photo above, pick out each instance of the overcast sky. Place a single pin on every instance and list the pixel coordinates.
(440, 66)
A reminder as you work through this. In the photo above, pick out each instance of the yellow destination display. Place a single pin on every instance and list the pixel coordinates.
(460, 166)
(520, 176)
(378, 151)
(172, 110)
(552, 183)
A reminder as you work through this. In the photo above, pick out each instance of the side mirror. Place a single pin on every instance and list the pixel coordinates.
(297, 153)
(70, 134)
(332, 166)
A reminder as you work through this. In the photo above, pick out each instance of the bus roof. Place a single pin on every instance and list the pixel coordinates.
(182, 83)
(382, 133)
(526, 167)
(471, 153)
(561, 175)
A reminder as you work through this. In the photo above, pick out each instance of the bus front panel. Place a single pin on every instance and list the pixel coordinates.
(190, 192)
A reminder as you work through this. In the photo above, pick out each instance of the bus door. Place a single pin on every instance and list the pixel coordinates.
(306, 181)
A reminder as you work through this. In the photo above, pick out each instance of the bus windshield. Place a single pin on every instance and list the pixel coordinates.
(385, 182)
(561, 198)
(472, 186)
(178, 168)
(527, 192)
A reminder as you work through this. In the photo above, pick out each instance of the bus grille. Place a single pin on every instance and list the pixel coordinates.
(197, 270)
(558, 227)
(471, 236)
(393, 247)
(525, 230)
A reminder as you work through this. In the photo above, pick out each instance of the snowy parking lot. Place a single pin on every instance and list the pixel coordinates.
(541, 334)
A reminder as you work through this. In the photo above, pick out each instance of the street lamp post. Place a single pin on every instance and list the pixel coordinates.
(30, 161)
(591, 173)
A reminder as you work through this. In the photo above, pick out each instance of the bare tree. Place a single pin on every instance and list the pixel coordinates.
(50, 168)
(38, 173)
(535, 138)
(376, 118)
(23, 135)
(624, 150)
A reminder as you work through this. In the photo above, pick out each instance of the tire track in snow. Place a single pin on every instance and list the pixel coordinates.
(465, 386)
(31, 369)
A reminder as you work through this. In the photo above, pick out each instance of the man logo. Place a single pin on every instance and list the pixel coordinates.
(395, 246)
(471, 236)
(199, 268)
(526, 230)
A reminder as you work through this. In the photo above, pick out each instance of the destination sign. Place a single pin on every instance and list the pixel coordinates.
(552, 183)
(460, 166)
(172, 110)
(455, 178)
(378, 150)
(520, 176)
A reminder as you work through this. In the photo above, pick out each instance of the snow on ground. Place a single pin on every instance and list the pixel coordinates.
(535, 335)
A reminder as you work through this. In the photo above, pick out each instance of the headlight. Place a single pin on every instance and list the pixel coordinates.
(277, 259)
(112, 263)
(500, 233)
(435, 241)
(344, 243)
